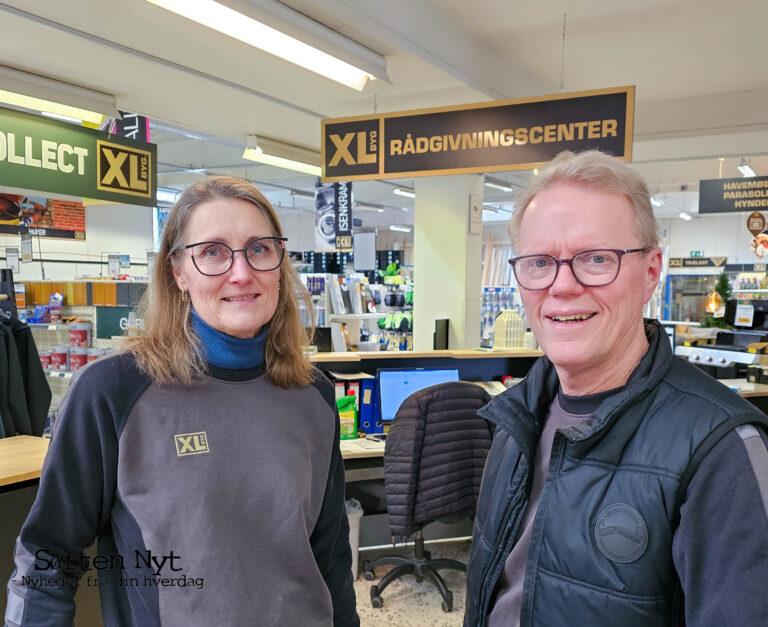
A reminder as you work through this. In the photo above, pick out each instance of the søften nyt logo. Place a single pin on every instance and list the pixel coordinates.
(191, 443)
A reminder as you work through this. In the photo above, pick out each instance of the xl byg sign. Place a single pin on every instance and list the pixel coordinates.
(484, 137)
(124, 170)
(351, 149)
(45, 155)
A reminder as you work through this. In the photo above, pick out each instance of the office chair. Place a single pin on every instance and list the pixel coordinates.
(433, 464)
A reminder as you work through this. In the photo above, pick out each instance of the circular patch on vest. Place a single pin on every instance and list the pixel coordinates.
(621, 533)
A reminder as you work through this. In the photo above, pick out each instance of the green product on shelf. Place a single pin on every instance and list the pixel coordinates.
(348, 417)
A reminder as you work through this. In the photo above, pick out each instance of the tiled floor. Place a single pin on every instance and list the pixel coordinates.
(411, 604)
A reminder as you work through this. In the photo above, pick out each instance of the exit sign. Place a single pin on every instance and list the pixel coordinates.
(697, 253)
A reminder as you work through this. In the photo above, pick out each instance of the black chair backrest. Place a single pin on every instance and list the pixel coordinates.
(435, 455)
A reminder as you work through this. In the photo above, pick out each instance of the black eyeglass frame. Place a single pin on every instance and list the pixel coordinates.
(238, 250)
(569, 262)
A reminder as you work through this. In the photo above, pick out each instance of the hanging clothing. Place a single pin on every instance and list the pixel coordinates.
(25, 395)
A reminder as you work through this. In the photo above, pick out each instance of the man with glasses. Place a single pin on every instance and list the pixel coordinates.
(624, 486)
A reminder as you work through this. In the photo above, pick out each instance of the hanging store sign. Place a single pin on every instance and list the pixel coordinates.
(132, 126)
(41, 154)
(42, 217)
(12, 259)
(729, 195)
(696, 262)
(504, 135)
(333, 216)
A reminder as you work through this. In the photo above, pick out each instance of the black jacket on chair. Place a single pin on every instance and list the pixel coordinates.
(435, 454)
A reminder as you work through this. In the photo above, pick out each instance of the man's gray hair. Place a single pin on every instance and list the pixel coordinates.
(595, 170)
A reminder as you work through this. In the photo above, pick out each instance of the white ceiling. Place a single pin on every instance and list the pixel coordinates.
(698, 68)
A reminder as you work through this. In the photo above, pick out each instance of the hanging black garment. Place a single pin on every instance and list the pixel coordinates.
(36, 389)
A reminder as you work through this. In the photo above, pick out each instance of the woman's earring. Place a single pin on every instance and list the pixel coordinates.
(184, 296)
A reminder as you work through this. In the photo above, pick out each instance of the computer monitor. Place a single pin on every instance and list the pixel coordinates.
(395, 385)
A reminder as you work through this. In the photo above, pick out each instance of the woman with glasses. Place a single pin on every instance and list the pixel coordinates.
(205, 455)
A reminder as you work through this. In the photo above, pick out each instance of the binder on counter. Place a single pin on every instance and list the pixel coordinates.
(370, 420)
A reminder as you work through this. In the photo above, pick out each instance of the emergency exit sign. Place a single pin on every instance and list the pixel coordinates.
(697, 253)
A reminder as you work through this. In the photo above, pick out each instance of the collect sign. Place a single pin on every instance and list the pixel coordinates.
(486, 137)
(38, 153)
(729, 195)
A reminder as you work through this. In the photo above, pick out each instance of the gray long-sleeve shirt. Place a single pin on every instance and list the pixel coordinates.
(222, 504)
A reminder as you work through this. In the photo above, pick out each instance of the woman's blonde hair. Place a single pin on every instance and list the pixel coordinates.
(595, 170)
(167, 349)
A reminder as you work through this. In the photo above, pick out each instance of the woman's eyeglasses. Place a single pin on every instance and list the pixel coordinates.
(215, 258)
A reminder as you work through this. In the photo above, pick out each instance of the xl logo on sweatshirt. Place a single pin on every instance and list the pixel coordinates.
(191, 443)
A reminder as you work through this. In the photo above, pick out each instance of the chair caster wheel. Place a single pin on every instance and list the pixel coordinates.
(419, 578)
(376, 600)
(369, 575)
(447, 603)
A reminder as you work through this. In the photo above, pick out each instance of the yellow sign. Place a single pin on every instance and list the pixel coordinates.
(124, 170)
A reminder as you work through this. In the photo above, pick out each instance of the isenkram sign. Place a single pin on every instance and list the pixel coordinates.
(46, 155)
(505, 135)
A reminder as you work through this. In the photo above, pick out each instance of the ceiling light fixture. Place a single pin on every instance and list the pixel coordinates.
(282, 155)
(366, 206)
(496, 183)
(167, 196)
(302, 194)
(397, 227)
(239, 26)
(404, 191)
(746, 169)
(656, 202)
(685, 216)
(46, 95)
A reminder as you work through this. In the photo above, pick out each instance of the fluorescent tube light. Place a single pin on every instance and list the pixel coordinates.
(282, 155)
(39, 93)
(243, 28)
(656, 202)
(397, 227)
(746, 169)
(167, 196)
(59, 116)
(500, 184)
(302, 194)
(685, 216)
(365, 206)
(404, 191)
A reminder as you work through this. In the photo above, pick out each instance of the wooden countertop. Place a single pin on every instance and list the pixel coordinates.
(745, 388)
(21, 458)
(455, 354)
(360, 447)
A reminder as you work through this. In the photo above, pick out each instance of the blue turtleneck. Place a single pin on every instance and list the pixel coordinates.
(226, 351)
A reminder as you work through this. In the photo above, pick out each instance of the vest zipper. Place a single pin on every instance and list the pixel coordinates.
(485, 589)
(531, 568)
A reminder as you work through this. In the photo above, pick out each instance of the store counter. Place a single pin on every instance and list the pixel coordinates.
(21, 459)
(473, 364)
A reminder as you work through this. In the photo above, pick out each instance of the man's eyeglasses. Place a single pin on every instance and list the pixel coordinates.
(215, 258)
(591, 268)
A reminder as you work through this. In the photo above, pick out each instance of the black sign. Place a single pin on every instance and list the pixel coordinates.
(745, 267)
(729, 195)
(505, 135)
(696, 262)
(124, 170)
(343, 214)
(132, 126)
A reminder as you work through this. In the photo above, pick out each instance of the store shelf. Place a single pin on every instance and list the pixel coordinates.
(746, 291)
(354, 316)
